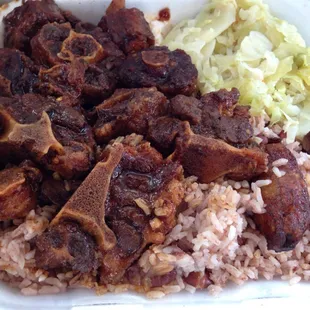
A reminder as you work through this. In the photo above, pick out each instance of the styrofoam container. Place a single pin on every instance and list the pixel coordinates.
(255, 294)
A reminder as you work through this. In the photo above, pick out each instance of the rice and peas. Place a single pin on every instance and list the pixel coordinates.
(233, 44)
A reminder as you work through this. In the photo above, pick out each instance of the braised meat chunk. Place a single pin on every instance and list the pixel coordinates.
(215, 115)
(109, 47)
(56, 43)
(66, 246)
(287, 202)
(99, 84)
(57, 192)
(63, 79)
(143, 200)
(164, 131)
(81, 46)
(17, 73)
(41, 129)
(47, 43)
(128, 29)
(186, 109)
(18, 186)
(229, 121)
(209, 159)
(172, 73)
(128, 201)
(87, 208)
(128, 111)
(23, 23)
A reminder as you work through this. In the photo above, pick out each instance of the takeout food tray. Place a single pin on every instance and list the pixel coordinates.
(251, 293)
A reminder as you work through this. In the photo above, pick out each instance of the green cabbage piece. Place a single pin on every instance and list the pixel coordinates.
(241, 44)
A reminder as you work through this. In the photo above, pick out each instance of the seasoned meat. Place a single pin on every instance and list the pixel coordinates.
(163, 132)
(23, 23)
(70, 18)
(57, 192)
(143, 199)
(87, 42)
(17, 73)
(99, 84)
(87, 205)
(113, 56)
(66, 246)
(186, 109)
(128, 201)
(81, 46)
(128, 29)
(63, 79)
(41, 129)
(287, 202)
(18, 191)
(216, 115)
(222, 115)
(128, 111)
(109, 47)
(172, 73)
(209, 159)
(47, 43)
(86, 208)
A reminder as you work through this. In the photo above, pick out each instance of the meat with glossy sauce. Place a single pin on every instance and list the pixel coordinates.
(209, 159)
(18, 74)
(23, 23)
(57, 192)
(109, 47)
(164, 131)
(172, 73)
(63, 79)
(81, 46)
(215, 115)
(143, 180)
(99, 84)
(18, 187)
(41, 129)
(46, 45)
(56, 43)
(287, 214)
(128, 201)
(128, 111)
(128, 29)
(86, 208)
(66, 246)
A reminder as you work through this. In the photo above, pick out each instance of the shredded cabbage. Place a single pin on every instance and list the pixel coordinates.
(238, 43)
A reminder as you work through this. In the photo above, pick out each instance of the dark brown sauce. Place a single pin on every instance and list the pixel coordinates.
(164, 15)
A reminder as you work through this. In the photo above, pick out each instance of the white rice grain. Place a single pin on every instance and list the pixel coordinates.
(155, 294)
(262, 183)
(280, 162)
(278, 172)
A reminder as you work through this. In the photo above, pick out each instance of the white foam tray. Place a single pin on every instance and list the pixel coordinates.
(255, 294)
